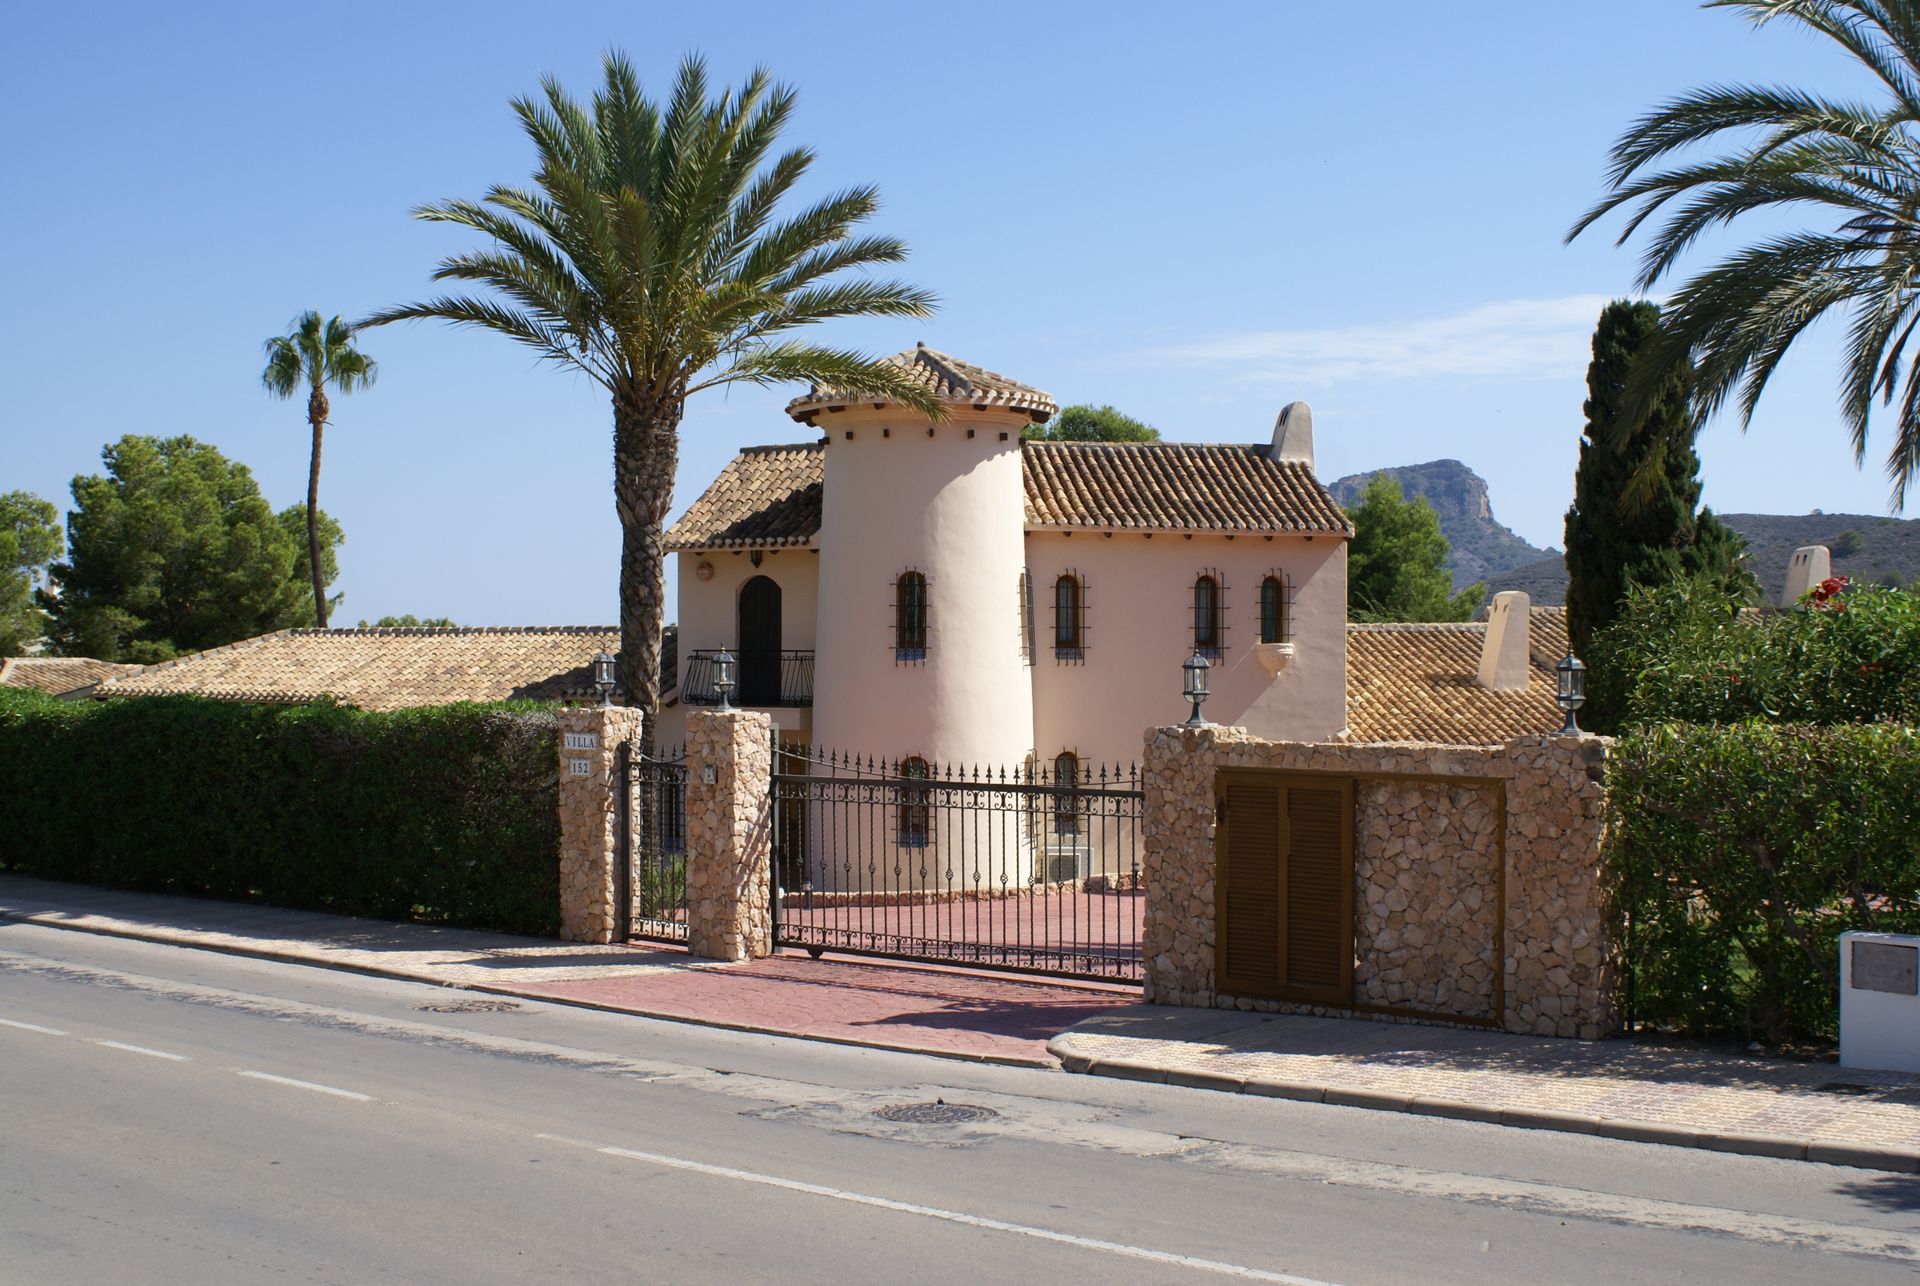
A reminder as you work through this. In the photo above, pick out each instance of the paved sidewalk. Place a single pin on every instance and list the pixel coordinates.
(951, 1013)
(1619, 1089)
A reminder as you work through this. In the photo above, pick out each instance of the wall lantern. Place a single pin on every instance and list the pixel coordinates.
(1196, 667)
(606, 673)
(723, 678)
(703, 570)
(1573, 690)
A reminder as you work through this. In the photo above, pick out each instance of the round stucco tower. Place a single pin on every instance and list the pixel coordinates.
(915, 508)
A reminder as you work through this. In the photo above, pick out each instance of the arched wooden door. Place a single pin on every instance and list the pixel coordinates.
(759, 642)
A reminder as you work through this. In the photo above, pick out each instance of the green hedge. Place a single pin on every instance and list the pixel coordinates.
(1739, 855)
(444, 814)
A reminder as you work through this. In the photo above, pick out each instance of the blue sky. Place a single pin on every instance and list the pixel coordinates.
(1197, 213)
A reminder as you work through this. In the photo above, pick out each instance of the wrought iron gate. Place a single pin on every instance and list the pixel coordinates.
(1035, 868)
(653, 815)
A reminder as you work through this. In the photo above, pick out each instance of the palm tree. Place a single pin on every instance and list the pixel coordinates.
(647, 256)
(312, 355)
(1856, 164)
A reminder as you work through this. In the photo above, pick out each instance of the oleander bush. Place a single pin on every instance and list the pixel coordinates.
(1765, 795)
(442, 814)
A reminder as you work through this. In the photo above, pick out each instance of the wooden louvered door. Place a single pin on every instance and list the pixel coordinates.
(1284, 855)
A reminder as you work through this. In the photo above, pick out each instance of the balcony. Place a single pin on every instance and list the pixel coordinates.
(762, 680)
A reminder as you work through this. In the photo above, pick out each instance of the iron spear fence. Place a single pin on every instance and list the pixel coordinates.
(653, 818)
(1033, 868)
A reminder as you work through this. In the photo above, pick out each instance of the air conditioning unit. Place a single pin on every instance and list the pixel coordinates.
(1880, 1001)
(1065, 862)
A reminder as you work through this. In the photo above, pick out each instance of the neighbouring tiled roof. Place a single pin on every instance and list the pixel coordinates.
(769, 496)
(766, 496)
(60, 675)
(1174, 486)
(947, 378)
(386, 669)
(1418, 683)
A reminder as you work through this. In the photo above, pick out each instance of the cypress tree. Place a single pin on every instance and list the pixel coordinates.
(1636, 518)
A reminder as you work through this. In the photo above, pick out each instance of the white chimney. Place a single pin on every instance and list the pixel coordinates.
(1809, 565)
(1293, 434)
(1505, 662)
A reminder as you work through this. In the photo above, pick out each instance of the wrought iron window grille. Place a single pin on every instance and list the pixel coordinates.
(1276, 608)
(910, 617)
(1208, 614)
(1070, 617)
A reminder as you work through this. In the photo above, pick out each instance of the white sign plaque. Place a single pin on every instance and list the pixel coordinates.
(583, 741)
(580, 767)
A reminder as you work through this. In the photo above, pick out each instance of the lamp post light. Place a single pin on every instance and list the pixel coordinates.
(606, 675)
(1196, 667)
(723, 678)
(1572, 694)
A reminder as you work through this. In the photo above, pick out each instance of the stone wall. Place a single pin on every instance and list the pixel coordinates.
(1479, 893)
(729, 834)
(590, 738)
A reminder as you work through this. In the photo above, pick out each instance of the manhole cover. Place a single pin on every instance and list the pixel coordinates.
(938, 1112)
(470, 1007)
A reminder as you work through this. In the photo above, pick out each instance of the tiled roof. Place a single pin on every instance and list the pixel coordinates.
(766, 496)
(770, 496)
(386, 669)
(1174, 486)
(948, 379)
(1418, 683)
(60, 675)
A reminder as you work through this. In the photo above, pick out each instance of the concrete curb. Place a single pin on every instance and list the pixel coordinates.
(1780, 1147)
(321, 961)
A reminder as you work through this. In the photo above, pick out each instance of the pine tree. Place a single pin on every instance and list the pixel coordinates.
(1636, 518)
(1397, 561)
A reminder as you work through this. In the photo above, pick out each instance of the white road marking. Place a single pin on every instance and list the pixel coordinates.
(44, 1031)
(950, 1216)
(142, 1049)
(355, 1095)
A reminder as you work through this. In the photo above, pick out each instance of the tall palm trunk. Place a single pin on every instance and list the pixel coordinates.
(317, 417)
(646, 451)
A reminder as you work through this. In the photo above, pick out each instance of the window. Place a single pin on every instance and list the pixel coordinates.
(1274, 609)
(913, 816)
(1069, 617)
(1066, 807)
(910, 617)
(1207, 638)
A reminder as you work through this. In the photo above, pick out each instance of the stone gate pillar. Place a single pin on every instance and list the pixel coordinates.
(590, 854)
(729, 834)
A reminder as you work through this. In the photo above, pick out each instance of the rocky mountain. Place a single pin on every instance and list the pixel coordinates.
(1865, 547)
(1483, 550)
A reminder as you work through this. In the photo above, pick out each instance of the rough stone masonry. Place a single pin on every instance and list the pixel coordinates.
(1479, 891)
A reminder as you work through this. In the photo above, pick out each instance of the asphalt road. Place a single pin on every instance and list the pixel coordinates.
(176, 1115)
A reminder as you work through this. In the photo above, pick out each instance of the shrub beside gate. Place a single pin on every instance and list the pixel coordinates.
(442, 814)
(1741, 852)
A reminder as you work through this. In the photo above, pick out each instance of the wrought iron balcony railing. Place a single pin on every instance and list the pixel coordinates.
(761, 679)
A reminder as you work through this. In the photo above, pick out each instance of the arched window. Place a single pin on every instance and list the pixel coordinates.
(1066, 806)
(1069, 626)
(1206, 615)
(913, 816)
(910, 616)
(1274, 625)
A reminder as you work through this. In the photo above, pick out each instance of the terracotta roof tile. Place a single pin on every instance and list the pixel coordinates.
(771, 496)
(60, 675)
(767, 496)
(1417, 683)
(1174, 486)
(385, 669)
(948, 379)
